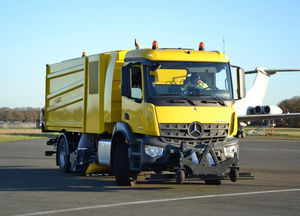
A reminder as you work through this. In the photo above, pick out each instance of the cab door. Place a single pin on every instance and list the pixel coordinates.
(133, 103)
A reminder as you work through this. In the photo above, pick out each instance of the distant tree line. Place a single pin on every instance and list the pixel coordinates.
(290, 106)
(30, 114)
(27, 114)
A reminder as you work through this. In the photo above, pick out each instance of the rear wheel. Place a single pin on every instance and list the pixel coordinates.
(124, 177)
(63, 155)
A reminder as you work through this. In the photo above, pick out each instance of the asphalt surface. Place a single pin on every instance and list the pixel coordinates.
(31, 184)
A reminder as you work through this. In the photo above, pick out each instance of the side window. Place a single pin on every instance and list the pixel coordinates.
(136, 82)
(93, 77)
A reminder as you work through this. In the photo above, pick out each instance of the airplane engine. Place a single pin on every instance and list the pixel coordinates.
(267, 109)
(254, 110)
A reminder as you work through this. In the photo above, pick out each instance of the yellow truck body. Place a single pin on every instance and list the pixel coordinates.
(117, 101)
(83, 94)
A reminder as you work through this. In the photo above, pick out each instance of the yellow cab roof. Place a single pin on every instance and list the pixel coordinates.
(177, 55)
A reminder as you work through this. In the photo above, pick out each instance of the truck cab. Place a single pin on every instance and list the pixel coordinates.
(179, 124)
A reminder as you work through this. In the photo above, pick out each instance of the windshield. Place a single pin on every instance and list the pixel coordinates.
(201, 79)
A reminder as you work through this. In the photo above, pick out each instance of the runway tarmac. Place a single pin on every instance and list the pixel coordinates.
(31, 184)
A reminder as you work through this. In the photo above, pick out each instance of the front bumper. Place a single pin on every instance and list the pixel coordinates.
(202, 160)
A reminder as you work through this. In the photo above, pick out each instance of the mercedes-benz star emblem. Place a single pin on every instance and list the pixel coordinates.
(195, 130)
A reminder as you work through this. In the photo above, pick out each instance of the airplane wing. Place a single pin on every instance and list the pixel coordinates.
(246, 118)
(271, 71)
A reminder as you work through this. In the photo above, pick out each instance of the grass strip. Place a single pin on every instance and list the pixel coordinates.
(18, 138)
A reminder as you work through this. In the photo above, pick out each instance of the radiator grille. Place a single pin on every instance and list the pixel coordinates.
(176, 133)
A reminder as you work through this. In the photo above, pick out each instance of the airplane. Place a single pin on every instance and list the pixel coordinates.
(251, 107)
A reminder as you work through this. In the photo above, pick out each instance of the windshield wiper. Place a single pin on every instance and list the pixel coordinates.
(188, 99)
(215, 97)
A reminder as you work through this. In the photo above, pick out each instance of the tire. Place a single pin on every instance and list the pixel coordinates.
(63, 155)
(234, 174)
(123, 176)
(180, 177)
(239, 135)
(213, 182)
(243, 134)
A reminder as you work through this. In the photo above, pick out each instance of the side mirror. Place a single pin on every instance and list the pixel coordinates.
(125, 81)
(241, 87)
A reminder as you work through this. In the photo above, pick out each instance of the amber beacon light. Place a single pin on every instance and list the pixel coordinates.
(154, 44)
(201, 46)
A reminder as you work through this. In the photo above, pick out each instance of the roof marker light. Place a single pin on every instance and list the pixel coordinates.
(137, 44)
(154, 44)
(201, 46)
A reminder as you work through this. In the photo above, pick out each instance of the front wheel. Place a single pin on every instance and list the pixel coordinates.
(180, 176)
(124, 177)
(63, 155)
(234, 174)
(244, 134)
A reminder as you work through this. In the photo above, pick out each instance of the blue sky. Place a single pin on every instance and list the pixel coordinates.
(34, 33)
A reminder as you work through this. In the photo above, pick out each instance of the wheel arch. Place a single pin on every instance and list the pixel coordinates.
(122, 133)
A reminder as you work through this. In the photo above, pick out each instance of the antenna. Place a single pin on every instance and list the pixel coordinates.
(223, 44)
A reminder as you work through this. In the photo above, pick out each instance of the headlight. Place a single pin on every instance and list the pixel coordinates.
(230, 151)
(154, 151)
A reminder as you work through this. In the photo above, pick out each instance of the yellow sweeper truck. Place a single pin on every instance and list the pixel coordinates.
(164, 110)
